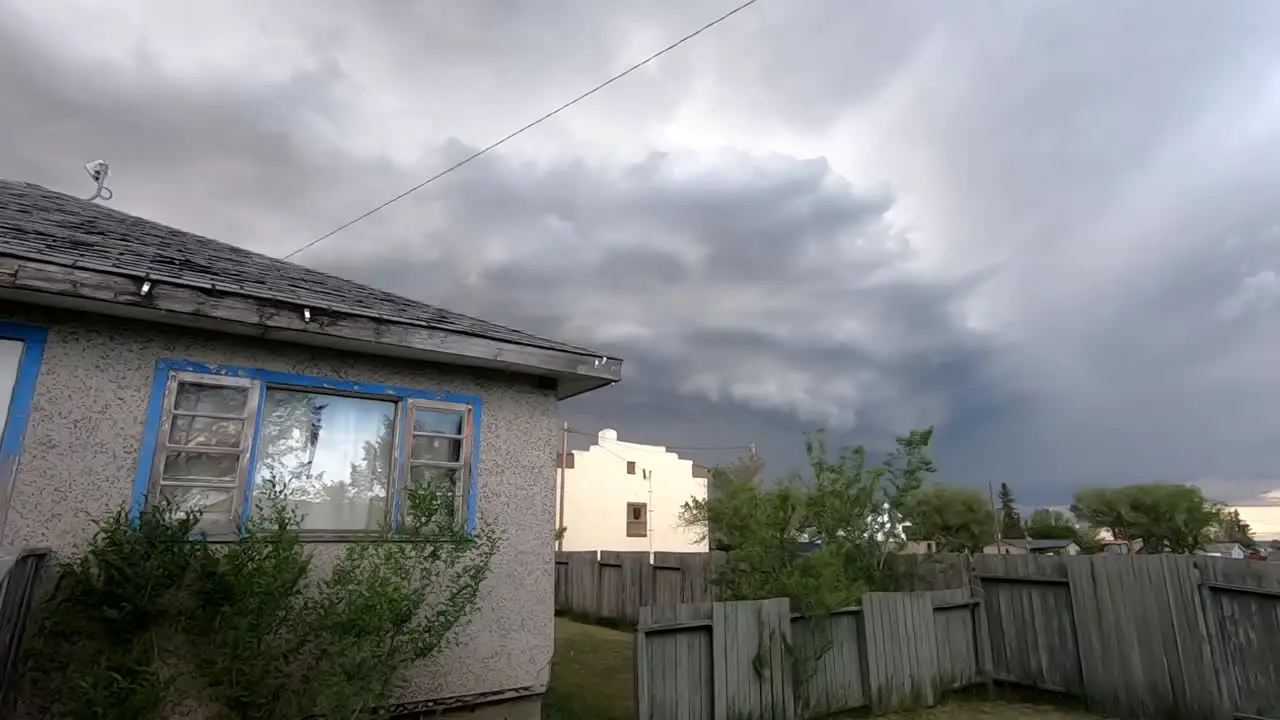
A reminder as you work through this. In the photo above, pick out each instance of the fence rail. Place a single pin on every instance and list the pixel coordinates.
(20, 574)
(1143, 637)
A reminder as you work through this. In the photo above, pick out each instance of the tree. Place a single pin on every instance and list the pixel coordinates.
(955, 518)
(1010, 520)
(1050, 524)
(1231, 528)
(1166, 517)
(818, 540)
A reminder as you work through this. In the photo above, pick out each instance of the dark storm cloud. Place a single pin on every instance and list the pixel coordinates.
(1061, 243)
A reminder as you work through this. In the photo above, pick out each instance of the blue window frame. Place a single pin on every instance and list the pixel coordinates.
(21, 351)
(215, 435)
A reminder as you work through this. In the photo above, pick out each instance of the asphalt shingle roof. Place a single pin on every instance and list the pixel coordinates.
(40, 224)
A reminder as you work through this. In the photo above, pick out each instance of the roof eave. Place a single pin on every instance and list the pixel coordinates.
(107, 294)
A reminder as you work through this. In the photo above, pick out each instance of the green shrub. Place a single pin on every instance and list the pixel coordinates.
(149, 623)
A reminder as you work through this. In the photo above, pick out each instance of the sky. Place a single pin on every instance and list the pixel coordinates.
(1048, 228)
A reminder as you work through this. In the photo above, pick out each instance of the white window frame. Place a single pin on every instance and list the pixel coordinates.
(244, 450)
(402, 458)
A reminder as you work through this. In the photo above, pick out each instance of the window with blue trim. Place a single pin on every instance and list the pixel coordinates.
(339, 453)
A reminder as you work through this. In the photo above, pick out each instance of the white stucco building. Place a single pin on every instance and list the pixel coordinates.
(618, 495)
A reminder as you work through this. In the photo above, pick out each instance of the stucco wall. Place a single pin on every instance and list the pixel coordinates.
(83, 440)
(598, 488)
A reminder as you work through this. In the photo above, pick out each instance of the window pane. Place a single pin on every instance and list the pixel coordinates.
(217, 399)
(218, 505)
(436, 449)
(200, 465)
(444, 484)
(442, 422)
(328, 456)
(198, 431)
(10, 356)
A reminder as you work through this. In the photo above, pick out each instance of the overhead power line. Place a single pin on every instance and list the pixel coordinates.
(529, 126)
(668, 447)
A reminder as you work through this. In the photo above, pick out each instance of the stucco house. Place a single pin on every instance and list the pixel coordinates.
(625, 496)
(138, 361)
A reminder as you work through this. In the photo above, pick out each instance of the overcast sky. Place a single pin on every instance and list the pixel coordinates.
(1048, 227)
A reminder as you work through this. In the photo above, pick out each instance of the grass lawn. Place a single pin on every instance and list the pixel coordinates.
(591, 679)
(590, 674)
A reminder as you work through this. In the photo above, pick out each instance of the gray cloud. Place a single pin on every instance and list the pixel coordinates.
(1047, 231)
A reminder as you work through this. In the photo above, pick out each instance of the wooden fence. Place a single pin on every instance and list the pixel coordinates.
(757, 660)
(615, 585)
(1144, 637)
(20, 575)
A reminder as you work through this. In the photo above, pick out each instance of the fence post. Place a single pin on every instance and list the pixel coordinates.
(981, 631)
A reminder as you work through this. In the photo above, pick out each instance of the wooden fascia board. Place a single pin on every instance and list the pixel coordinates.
(121, 295)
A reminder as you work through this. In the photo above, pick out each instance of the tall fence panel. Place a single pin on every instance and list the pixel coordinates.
(831, 672)
(1145, 649)
(1030, 620)
(902, 650)
(752, 684)
(673, 663)
(1242, 611)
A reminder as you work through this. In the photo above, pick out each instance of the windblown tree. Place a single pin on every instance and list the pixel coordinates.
(1166, 517)
(1010, 519)
(820, 539)
(954, 517)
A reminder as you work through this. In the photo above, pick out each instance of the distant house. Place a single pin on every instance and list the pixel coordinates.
(139, 362)
(917, 547)
(619, 495)
(1020, 546)
(1230, 550)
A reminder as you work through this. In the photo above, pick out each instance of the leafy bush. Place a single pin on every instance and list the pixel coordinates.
(148, 623)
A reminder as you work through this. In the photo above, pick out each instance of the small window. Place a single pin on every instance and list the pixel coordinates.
(565, 461)
(637, 520)
(202, 456)
(631, 467)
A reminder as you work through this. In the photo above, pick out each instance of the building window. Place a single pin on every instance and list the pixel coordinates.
(631, 467)
(21, 351)
(565, 460)
(339, 453)
(637, 520)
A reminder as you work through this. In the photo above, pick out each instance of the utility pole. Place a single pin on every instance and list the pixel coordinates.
(991, 496)
(648, 513)
(564, 458)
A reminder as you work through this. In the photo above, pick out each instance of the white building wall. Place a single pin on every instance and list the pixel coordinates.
(598, 488)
